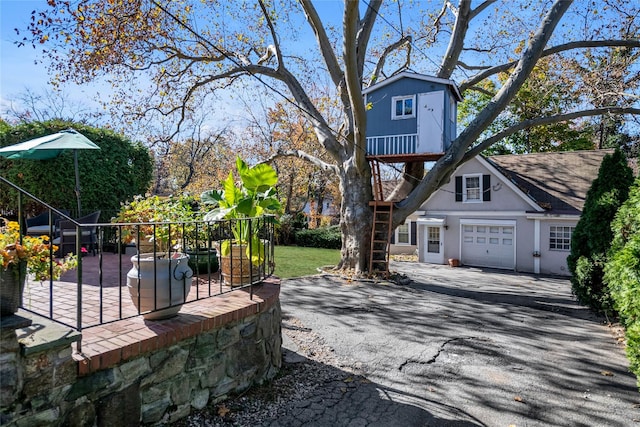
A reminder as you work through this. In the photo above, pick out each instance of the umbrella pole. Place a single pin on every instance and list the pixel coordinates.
(75, 166)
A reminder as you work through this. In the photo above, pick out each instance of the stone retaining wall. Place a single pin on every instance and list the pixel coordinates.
(41, 383)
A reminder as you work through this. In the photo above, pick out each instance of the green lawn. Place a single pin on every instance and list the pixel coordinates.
(294, 261)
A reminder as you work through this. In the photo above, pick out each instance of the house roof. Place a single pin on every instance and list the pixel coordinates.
(410, 75)
(557, 181)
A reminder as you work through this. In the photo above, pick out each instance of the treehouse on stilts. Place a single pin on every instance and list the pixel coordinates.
(410, 118)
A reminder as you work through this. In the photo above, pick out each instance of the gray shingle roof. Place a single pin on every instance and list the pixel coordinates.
(557, 181)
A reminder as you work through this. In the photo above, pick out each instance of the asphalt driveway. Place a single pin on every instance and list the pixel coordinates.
(463, 347)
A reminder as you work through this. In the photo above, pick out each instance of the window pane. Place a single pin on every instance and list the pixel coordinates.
(481, 229)
(473, 187)
(403, 233)
(408, 107)
(481, 240)
(468, 228)
(399, 108)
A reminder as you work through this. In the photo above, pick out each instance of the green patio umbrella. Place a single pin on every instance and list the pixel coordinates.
(50, 146)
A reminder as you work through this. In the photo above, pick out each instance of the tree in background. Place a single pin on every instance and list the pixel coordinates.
(184, 50)
(114, 174)
(622, 272)
(592, 236)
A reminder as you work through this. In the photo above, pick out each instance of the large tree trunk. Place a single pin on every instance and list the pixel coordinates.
(355, 219)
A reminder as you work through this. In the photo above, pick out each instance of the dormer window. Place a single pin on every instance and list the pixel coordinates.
(403, 107)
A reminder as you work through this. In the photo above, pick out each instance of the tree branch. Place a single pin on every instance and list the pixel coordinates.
(304, 156)
(364, 33)
(472, 67)
(404, 41)
(475, 12)
(552, 50)
(324, 44)
(456, 41)
(530, 57)
(356, 113)
(274, 37)
(479, 148)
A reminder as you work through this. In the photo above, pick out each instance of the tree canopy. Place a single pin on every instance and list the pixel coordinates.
(164, 58)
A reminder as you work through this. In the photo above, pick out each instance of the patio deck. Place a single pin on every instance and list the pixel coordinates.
(107, 340)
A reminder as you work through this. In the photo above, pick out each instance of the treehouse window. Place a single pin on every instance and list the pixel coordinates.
(403, 107)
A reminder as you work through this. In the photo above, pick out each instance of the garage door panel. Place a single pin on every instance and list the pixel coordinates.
(488, 245)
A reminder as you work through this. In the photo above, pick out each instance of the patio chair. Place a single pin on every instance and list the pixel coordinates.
(66, 241)
(39, 224)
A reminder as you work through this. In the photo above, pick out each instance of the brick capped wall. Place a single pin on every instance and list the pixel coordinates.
(136, 372)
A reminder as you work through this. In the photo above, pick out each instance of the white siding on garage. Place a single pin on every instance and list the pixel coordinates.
(489, 244)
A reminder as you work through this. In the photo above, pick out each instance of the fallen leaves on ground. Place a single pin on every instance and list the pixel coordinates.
(223, 410)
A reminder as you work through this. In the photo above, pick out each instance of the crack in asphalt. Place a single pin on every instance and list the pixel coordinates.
(440, 350)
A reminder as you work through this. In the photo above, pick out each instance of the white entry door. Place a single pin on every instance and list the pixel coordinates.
(433, 239)
(430, 122)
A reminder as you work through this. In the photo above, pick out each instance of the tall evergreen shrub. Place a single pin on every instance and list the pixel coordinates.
(592, 236)
(622, 272)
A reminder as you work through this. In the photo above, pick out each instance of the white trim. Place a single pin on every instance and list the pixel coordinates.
(397, 235)
(415, 76)
(464, 188)
(536, 246)
(481, 214)
(394, 101)
(474, 221)
(552, 217)
(430, 220)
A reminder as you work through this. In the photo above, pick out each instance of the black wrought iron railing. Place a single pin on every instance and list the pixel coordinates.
(146, 268)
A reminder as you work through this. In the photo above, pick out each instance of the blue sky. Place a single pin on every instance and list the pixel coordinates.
(17, 68)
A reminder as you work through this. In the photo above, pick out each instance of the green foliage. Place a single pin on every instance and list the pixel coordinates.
(326, 237)
(254, 196)
(622, 272)
(178, 210)
(592, 236)
(287, 227)
(109, 176)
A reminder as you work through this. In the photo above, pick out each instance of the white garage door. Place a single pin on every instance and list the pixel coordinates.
(488, 245)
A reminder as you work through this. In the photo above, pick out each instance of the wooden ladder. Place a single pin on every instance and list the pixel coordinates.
(381, 228)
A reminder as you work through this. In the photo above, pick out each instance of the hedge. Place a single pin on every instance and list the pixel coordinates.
(325, 237)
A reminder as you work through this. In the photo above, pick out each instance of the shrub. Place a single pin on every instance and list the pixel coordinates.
(592, 236)
(622, 272)
(327, 237)
(287, 227)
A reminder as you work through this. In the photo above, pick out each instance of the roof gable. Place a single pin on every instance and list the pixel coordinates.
(416, 76)
(557, 181)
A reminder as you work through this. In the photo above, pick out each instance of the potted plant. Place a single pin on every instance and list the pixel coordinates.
(156, 223)
(160, 278)
(253, 196)
(22, 257)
